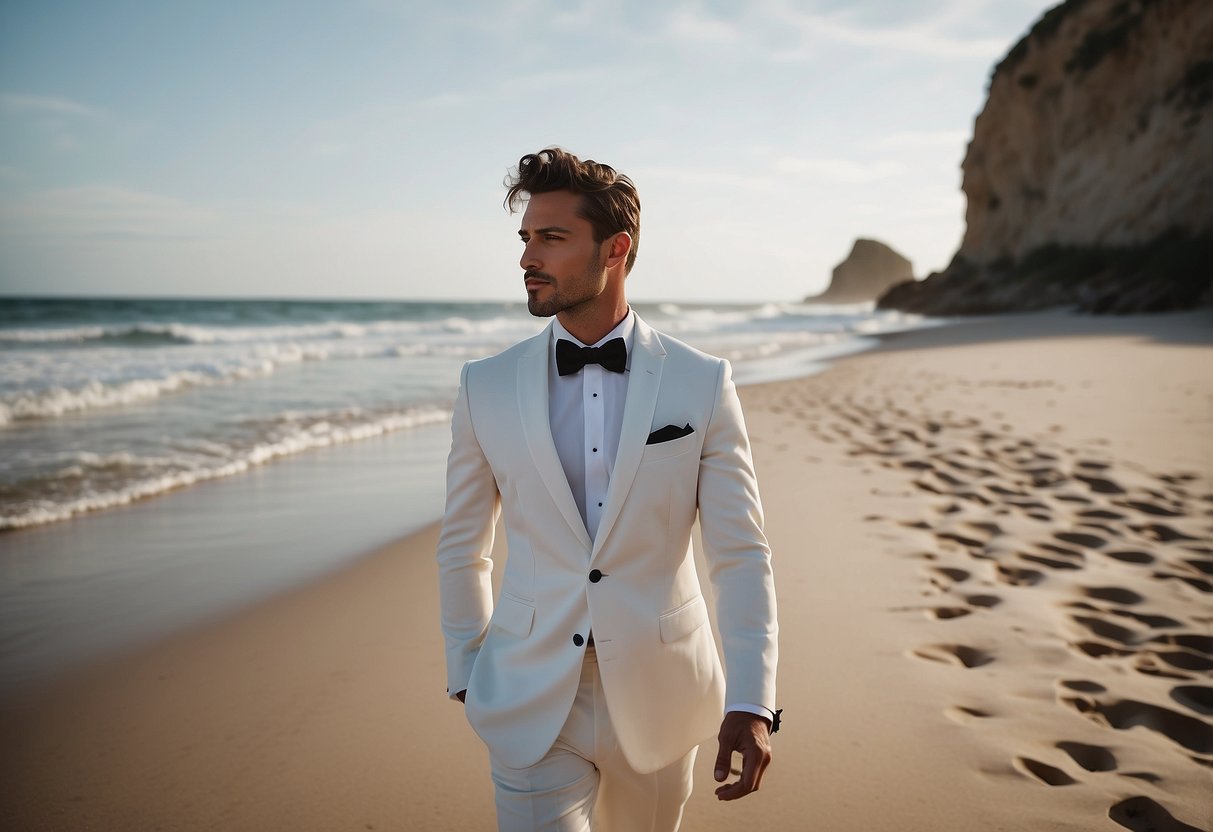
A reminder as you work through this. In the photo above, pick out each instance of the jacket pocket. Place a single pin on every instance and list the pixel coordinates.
(681, 621)
(665, 450)
(513, 615)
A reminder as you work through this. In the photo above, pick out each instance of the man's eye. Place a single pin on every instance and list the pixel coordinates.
(552, 237)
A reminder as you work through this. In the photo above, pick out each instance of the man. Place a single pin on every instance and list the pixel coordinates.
(594, 676)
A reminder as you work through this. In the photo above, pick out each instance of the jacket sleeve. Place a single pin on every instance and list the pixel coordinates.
(737, 553)
(464, 546)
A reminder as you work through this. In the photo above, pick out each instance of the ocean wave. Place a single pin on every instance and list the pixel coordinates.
(90, 481)
(261, 361)
(892, 321)
(757, 349)
(161, 334)
(674, 318)
(54, 402)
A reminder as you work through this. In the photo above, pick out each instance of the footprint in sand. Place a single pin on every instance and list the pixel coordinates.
(1129, 556)
(963, 540)
(1099, 485)
(1150, 664)
(1154, 622)
(1017, 576)
(966, 716)
(954, 654)
(1004, 491)
(1082, 686)
(1106, 629)
(1099, 527)
(1045, 477)
(1196, 642)
(1201, 565)
(1148, 776)
(1064, 551)
(1154, 509)
(1086, 541)
(946, 613)
(945, 577)
(1122, 714)
(987, 601)
(1100, 650)
(1042, 772)
(1083, 605)
(1100, 514)
(1090, 757)
(1195, 697)
(1051, 563)
(1141, 814)
(1199, 584)
(1161, 532)
(1183, 660)
(1112, 594)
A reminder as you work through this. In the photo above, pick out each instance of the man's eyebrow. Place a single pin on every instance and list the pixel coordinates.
(551, 229)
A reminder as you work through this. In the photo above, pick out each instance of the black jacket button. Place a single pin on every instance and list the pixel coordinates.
(578, 640)
(595, 576)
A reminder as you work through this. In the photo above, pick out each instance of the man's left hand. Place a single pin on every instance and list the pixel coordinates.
(749, 735)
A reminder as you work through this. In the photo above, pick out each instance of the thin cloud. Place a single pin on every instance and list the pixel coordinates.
(58, 120)
(924, 37)
(47, 105)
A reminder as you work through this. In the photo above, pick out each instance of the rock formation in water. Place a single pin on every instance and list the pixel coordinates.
(869, 270)
(1089, 176)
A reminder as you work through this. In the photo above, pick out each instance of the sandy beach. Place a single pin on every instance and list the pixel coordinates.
(993, 547)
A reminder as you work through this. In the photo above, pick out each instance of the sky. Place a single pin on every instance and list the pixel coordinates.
(357, 149)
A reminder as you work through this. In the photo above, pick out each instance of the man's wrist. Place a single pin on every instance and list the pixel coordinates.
(757, 710)
(771, 717)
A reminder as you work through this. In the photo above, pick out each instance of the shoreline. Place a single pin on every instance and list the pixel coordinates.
(235, 541)
(938, 655)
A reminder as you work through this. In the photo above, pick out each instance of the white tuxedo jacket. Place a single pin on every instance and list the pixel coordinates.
(518, 658)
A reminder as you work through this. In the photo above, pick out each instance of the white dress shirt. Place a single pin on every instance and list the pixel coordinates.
(585, 411)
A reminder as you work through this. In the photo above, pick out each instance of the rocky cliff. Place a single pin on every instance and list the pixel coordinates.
(869, 270)
(1089, 176)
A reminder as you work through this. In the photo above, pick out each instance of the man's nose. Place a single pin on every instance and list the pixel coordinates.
(530, 259)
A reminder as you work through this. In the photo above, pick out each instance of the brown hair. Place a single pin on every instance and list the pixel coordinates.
(609, 201)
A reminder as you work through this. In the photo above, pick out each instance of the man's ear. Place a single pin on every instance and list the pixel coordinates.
(619, 245)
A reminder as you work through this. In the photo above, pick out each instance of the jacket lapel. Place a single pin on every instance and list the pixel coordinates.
(644, 381)
(533, 404)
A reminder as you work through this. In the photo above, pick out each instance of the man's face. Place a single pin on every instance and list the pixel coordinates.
(561, 263)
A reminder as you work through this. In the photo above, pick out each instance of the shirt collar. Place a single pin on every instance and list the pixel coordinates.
(625, 329)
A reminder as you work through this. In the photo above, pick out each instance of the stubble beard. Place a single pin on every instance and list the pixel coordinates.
(580, 290)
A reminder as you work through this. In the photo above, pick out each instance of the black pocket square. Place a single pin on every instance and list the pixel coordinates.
(669, 432)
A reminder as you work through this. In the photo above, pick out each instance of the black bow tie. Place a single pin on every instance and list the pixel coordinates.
(570, 358)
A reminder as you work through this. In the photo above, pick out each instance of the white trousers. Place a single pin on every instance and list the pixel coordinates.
(584, 783)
